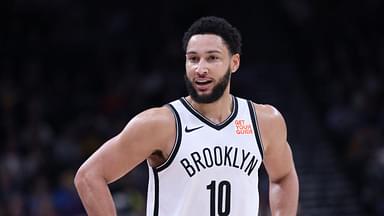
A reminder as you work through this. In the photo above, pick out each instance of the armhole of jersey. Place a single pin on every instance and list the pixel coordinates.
(176, 145)
(252, 112)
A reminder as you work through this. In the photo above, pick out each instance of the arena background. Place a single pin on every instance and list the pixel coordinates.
(74, 72)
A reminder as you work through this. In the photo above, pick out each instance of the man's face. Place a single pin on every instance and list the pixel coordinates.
(216, 92)
(208, 67)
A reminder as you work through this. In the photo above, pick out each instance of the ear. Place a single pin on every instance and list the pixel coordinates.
(235, 62)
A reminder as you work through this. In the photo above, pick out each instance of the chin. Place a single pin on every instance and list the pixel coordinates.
(204, 94)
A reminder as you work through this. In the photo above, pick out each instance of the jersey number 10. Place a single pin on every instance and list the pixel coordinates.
(223, 199)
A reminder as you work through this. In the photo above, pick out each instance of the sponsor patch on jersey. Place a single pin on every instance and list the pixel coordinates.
(242, 127)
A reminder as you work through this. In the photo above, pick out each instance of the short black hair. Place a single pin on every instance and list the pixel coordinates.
(217, 26)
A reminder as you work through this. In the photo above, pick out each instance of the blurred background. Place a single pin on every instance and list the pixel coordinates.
(73, 73)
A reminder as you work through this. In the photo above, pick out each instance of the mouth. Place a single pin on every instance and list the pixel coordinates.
(203, 82)
(202, 85)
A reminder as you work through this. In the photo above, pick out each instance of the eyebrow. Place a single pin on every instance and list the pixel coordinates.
(209, 52)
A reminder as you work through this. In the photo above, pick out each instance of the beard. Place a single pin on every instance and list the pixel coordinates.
(217, 91)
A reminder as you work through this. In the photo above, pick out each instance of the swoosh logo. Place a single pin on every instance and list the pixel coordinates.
(188, 130)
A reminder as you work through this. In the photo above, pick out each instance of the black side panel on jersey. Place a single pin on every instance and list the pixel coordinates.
(252, 112)
(156, 181)
(177, 140)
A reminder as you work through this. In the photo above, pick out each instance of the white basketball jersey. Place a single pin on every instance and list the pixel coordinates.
(213, 168)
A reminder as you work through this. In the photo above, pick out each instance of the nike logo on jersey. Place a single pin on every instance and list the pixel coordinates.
(188, 130)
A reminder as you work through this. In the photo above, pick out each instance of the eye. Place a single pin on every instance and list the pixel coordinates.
(192, 59)
(213, 58)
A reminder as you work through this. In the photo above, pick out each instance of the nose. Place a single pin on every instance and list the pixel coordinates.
(202, 67)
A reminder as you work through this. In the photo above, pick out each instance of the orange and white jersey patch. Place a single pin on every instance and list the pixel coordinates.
(243, 127)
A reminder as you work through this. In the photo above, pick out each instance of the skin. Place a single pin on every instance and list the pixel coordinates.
(207, 59)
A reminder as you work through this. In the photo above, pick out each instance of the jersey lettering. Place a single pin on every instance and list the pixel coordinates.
(199, 161)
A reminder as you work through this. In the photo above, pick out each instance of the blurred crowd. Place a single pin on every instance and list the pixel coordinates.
(72, 74)
(71, 78)
(345, 75)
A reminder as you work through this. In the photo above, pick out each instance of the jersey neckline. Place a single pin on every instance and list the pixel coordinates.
(202, 118)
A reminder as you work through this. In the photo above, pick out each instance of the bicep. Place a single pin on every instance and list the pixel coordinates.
(133, 145)
(115, 158)
(278, 159)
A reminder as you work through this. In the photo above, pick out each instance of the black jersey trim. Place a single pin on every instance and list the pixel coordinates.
(252, 112)
(176, 145)
(156, 202)
(202, 118)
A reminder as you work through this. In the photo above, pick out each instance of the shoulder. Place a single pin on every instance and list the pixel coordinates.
(153, 117)
(271, 124)
(151, 124)
(268, 114)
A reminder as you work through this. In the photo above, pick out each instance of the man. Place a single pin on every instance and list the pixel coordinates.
(203, 150)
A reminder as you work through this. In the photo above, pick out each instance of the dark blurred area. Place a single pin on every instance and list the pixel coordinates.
(73, 73)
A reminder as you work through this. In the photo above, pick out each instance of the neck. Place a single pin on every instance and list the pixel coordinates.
(217, 111)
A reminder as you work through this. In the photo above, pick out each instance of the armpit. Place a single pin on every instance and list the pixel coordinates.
(157, 158)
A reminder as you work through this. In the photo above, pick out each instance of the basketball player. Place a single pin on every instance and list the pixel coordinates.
(203, 150)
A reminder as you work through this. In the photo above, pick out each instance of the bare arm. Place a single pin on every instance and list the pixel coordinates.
(148, 132)
(278, 161)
